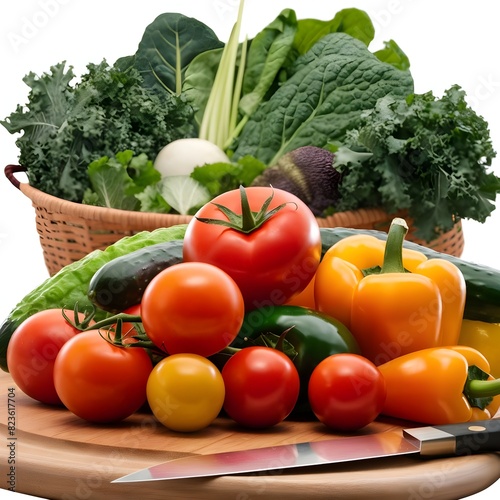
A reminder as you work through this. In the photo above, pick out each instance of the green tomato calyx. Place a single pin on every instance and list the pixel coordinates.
(247, 221)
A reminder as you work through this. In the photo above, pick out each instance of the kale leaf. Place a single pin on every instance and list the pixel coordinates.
(66, 127)
(430, 157)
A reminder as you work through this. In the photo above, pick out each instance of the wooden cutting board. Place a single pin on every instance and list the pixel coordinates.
(59, 456)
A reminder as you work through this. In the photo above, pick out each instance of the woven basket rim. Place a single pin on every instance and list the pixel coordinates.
(115, 215)
(88, 212)
(373, 216)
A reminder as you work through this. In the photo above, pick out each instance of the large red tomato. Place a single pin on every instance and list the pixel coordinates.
(274, 253)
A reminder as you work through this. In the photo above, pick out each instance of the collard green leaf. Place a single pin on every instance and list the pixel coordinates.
(167, 47)
(330, 87)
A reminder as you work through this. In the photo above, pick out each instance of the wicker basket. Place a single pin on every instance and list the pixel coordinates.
(68, 231)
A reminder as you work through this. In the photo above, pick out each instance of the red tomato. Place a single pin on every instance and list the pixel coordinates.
(192, 307)
(270, 264)
(262, 386)
(32, 352)
(346, 391)
(98, 381)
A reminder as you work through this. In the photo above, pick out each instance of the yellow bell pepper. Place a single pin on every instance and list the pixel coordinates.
(485, 337)
(394, 300)
(441, 385)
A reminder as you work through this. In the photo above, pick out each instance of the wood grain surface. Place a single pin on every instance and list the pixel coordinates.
(59, 456)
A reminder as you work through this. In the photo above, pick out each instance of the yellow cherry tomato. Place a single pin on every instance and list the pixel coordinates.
(185, 392)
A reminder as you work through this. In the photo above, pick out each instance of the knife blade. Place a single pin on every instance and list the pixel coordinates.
(444, 440)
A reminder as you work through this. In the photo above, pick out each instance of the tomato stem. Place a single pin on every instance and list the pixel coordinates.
(247, 221)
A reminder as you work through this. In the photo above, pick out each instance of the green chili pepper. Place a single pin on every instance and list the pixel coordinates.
(305, 335)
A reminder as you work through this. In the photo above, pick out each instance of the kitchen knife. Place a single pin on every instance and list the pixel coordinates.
(444, 440)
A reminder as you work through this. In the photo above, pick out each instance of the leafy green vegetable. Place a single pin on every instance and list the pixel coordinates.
(262, 61)
(116, 181)
(221, 110)
(354, 22)
(429, 156)
(199, 79)
(267, 54)
(221, 177)
(392, 54)
(324, 97)
(65, 127)
(183, 193)
(168, 46)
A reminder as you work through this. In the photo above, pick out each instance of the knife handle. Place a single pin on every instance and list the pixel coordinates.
(475, 437)
(466, 438)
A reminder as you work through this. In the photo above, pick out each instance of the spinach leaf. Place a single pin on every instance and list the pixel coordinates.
(392, 54)
(167, 47)
(266, 55)
(354, 22)
(199, 79)
(329, 88)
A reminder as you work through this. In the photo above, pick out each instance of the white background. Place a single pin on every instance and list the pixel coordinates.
(447, 42)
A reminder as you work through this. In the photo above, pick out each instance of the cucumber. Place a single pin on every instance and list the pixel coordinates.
(120, 283)
(69, 286)
(482, 301)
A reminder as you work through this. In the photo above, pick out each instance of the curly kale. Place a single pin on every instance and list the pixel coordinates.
(65, 127)
(429, 156)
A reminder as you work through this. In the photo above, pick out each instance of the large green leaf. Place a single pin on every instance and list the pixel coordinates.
(267, 54)
(167, 47)
(328, 90)
(352, 21)
(199, 79)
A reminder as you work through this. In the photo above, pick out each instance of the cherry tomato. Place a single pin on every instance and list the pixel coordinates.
(262, 386)
(32, 352)
(192, 307)
(270, 263)
(98, 381)
(346, 391)
(185, 392)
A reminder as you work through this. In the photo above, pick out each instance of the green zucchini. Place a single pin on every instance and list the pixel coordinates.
(482, 301)
(69, 286)
(120, 284)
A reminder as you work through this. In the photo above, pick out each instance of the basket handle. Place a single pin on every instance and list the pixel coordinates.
(10, 170)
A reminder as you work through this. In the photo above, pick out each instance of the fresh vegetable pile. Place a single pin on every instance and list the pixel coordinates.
(188, 117)
(254, 314)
